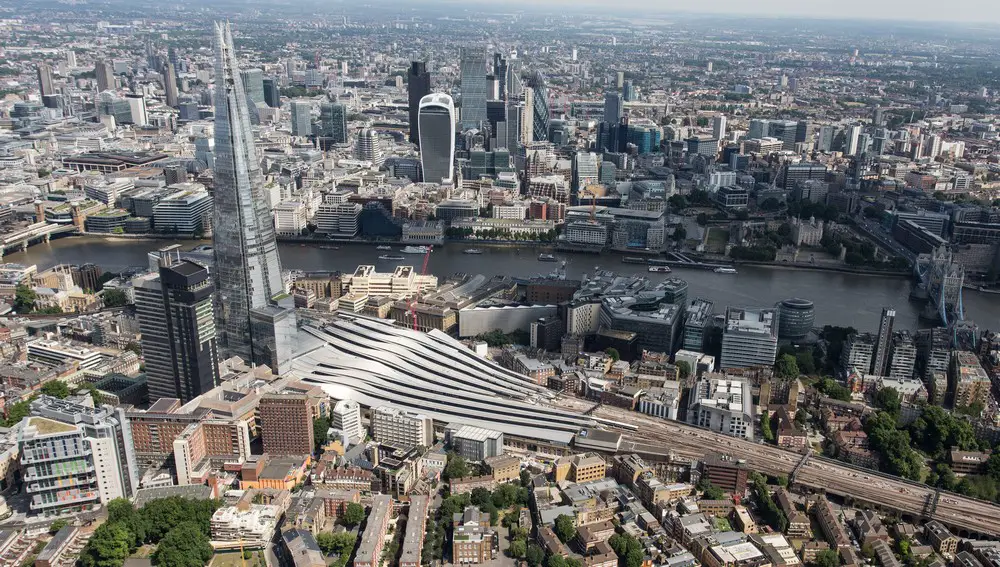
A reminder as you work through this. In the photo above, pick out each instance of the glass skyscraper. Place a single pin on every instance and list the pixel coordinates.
(437, 138)
(333, 122)
(474, 86)
(539, 107)
(247, 269)
(418, 86)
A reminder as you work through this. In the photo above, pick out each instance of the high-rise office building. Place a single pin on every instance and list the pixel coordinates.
(45, 80)
(70, 59)
(272, 95)
(418, 86)
(719, 127)
(612, 107)
(253, 85)
(500, 72)
(437, 138)
(170, 85)
(539, 107)
(473, 69)
(749, 338)
(301, 118)
(853, 138)
(333, 122)
(105, 76)
(369, 147)
(883, 342)
(286, 425)
(247, 269)
(174, 310)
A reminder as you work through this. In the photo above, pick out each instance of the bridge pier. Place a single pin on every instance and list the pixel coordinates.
(24, 246)
(47, 237)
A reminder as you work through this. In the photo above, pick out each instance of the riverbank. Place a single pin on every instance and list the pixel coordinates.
(818, 268)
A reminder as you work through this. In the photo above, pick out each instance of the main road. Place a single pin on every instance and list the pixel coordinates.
(654, 437)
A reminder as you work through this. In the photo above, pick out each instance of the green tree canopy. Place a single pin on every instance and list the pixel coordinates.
(56, 389)
(888, 399)
(827, 558)
(186, 545)
(565, 528)
(354, 514)
(786, 367)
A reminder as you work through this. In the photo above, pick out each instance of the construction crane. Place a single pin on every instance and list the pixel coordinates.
(413, 300)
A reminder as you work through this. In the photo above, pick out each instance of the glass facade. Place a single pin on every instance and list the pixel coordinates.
(247, 269)
(474, 86)
(437, 138)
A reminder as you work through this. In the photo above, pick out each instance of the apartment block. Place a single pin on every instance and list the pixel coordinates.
(286, 424)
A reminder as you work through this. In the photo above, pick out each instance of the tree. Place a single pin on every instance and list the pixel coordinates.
(114, 298)
(57, 525)
(565, 528)
(807, 365)
(680, 233)
(338, 543)
(827, 558)
(683, 369)
(24, 299)
(456, 467)
(534, 555)
(56, 389)
(518, 548)
(786, 367)
(888, 399)
(108, 547)
(354, 514)
(613, 354)
(765, 427)
(321, 425)
(711, 492)
(184, 546)
(993, 466)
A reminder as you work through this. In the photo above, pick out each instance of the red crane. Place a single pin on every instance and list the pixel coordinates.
(413, 301)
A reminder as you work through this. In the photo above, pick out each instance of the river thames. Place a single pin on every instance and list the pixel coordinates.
(840, 299)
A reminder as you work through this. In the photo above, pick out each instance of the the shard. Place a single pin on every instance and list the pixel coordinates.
(247, 270)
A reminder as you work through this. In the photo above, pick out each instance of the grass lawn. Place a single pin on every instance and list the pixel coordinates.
(717, 239)
(231, 559)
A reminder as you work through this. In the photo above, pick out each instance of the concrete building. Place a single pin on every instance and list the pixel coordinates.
(286, 424)
(403, 281)
(75, 457)
(246, 525)
(346, 417)
(188, 210)
(858, 353)
(475, 443)
(722, 405)
(749, 338)
(55, 353)
(903, 357)
(289, 218)
(400, 428)
(970, 382)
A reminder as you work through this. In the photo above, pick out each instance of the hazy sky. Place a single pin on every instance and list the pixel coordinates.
(925, 10)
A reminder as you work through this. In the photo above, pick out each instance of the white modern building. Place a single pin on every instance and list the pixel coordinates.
(187, 210)
(289, 218)
(347, 419)
(749, 338)
(723, 405)
(404, 281)
(56, 353)
(402, 428)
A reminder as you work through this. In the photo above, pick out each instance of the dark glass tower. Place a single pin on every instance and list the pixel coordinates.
(247, 269)
(418, 86)
(174, 309)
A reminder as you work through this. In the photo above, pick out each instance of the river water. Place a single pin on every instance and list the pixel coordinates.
(840, 299)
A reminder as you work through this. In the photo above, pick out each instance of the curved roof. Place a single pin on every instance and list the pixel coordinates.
(438, 99)
(377, 363)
